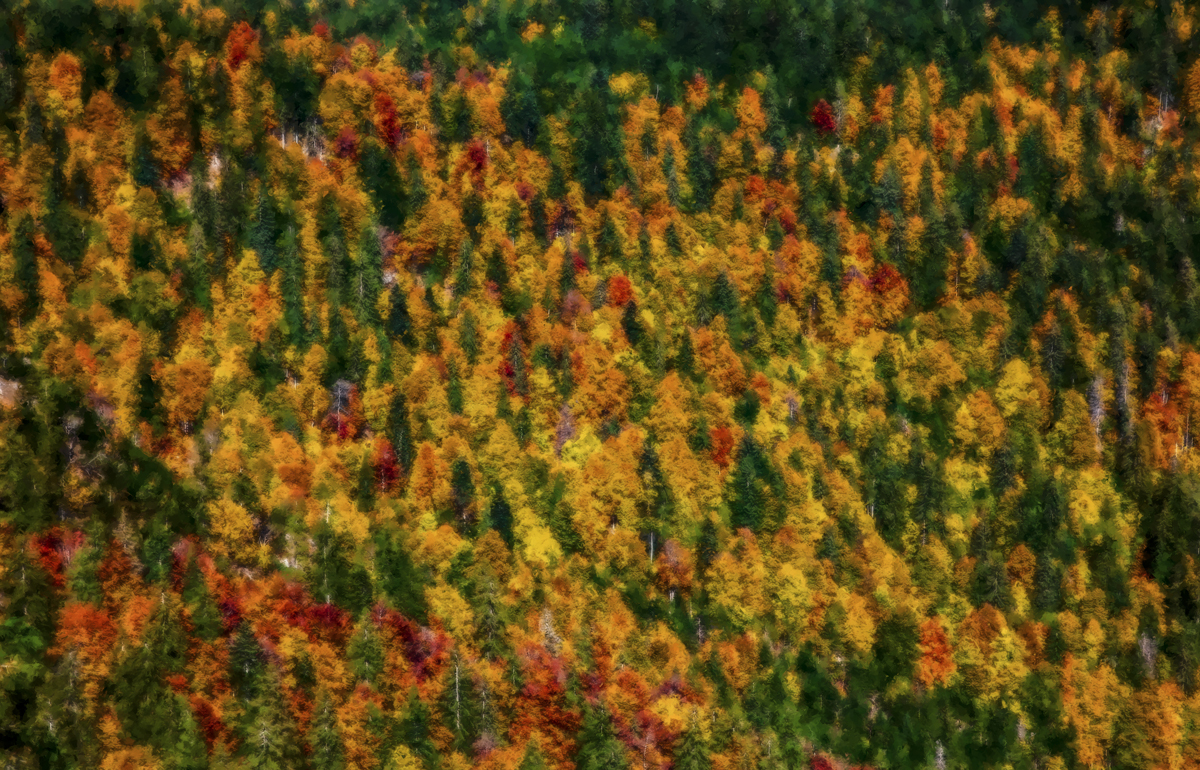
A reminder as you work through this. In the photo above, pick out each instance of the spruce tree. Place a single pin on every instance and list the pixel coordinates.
(187, 749)
(454, 391)
(599, 746)
(246, 662)
(262, 230)
(270, 740)
(325, 738)
(292, 286)
(415, 731)
(26, 265)
(459, 705)
(691, 752)
(368, 282)
(399, 578)
(196, 275)
(144, 702)
(399, 322)
(365, 654)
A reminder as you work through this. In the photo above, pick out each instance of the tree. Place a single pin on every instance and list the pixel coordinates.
(500, 517)
(459, 706)
(270, 740)
(262, 230)
(400, 579)
(144, 702)
(414, 731)
(328, 751)
(691, 752)
(462, 487)
(368, 281)
(599, 746)
(332, 577)
(247, 665)
(522, 116)
(399, 322)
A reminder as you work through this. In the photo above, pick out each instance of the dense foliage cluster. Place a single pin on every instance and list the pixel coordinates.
(634, 384)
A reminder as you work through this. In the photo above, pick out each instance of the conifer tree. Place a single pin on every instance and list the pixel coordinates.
(365, 654)
(599, 746)
(325, 738)
(262, 230)
(368, 283)
(415, 731)
(270, 740)
(144, 702)
(459, 705)
(692, 752)
(26, 270)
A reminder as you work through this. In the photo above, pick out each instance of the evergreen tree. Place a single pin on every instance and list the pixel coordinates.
(631, 323)
(292, 286)
(270, 741)
(458, 705)
(144, 702)
(26, 265)
(454, 391)
(328, 751)
(462, 488)
(415, 731)
(399, 578)
(365, 654)
(522, 117)
(399, 323)
(187, 751)
(368, 282)
(247, 663)
(599, 746)
(332, 577)
(196, 273)
(262, 230)
(533, 758)
(500, 517)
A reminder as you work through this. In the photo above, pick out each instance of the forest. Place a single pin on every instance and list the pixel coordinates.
(599, 385)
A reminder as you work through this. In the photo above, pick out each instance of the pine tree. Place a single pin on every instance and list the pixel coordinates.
(672, 175)
(145, 171)
(399, 577)
(414, 731)
(143, 701)
(692, 752)
(500, 517)
(270, 741)
(196, 273)
(368, 282)
(187, 751)
(400, 432)
(292, 286)
(26, 264)
(332, 577)
(522, 117)
(599, 746)
(532, 759)
(464, 268)
(459, 706)
(246, 662)
(631, 323)
(417, 194)
(262, 231)
(463, 495)
(399, 323)
(325, 738)
(365, 654)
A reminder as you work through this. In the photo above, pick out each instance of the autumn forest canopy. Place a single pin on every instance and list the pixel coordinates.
(601, 385)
